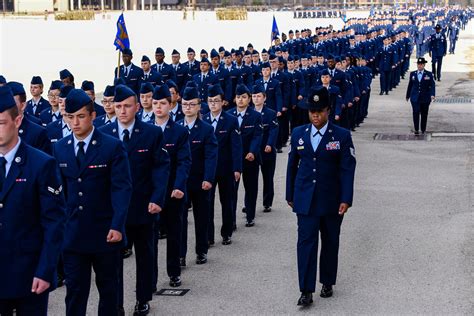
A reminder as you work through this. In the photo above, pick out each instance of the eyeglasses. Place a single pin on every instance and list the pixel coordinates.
(186, 105)
(214, 101)
(107, 102)
(53, 96)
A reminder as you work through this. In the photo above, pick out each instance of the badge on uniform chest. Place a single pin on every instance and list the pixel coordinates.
(333, 145)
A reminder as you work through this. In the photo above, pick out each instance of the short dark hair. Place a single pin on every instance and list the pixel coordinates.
(22, 97)
(14, 112)
(90, 107)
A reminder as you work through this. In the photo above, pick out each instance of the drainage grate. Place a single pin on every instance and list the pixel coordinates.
(453, 100)
(381, 136)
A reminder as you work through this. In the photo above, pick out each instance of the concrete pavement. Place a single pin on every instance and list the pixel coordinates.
(407, 245)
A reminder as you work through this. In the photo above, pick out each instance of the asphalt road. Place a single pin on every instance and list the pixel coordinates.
(407, 244)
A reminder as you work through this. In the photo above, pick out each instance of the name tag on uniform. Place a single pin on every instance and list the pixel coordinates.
(427, 78)
(249, 126)
(300, 147)
(196, 141)
(63, 165)
(20, 180)
(222, 132)
(142, 150)
(97, 166)
(169, 145)
(333, 146)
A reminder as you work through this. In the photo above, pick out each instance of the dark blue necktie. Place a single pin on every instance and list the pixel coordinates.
(81, 154)
(126, 136)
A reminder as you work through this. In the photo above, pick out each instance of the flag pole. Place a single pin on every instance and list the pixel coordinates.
(118, 68)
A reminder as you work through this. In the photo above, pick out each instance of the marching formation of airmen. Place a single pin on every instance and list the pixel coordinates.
(126, 172)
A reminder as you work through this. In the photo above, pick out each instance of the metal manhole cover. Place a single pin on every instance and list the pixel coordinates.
(453, 100)
(382, 136)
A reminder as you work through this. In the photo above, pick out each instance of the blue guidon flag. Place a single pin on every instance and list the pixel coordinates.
(275, 31)
(121, 38)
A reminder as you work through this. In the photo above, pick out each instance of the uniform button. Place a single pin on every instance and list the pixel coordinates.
(314, 181)
(79, 180)
(80, 208)
(314, 159)
(1, 205)
(80, 193)
(314, 170)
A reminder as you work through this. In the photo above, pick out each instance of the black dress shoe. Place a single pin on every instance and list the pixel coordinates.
(267, 209)
(211, 243)
(326, 291)
(201, 258)
(182, 262)
(417, 133)
(279, 150)
(126, 253)
(162, 236)
(120, 311)
(244, 209)
(226, 241)
(305, 299)
(250, 224)
(386, 92)
(175, 281)
(381, 93)
(141, 309)
(234, 228)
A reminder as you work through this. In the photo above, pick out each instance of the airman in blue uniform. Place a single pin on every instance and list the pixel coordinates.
(222, 74)
(98, 186)
(192, 64)
(420, 92)
(108, 104)
(130, 73)
(31, 133)
(181, 70)
(67, 78)
(268, 145)
(31, 228)
(319, 188)
(60, 128)
(53, 113)
(149, 167)
(250, 126)
(167, 72)
(204, 148)
(176, 142)
(204, 79)
(176, 111)
(438, 49)
(88, 87)
(37, 103)
(272, 89)
(145, 114)
(149, 75)
(229, 162)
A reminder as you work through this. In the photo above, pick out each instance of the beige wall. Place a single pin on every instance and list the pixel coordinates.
(33, 5)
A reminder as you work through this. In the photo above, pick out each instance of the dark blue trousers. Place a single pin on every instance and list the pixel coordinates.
(436, 63)
(268, 172)
(309, 227)
(200, 200)
(77, 269)
(31, 305)
(385, 80)
(226, 185)
(172, 218)
(140, 237)
(250, 180)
